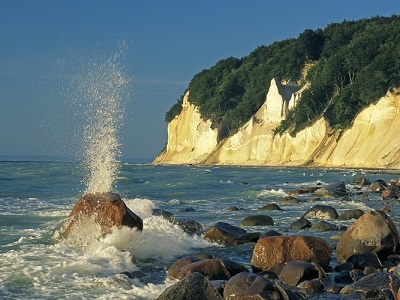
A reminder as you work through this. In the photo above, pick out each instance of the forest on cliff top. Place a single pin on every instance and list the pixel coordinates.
(350, 65)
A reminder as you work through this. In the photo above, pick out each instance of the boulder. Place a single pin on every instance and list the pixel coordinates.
(374, 286)
(378, 186)
(363, 260)
(334, 189)
(195, 286)
(257, 220)
(322, 212)
(302, 191)
(289, 200)
(350, 214)
(226, 234)
(177, 265)
(213, 269)
(301, 223)
(323, 226)
(250, 286)
(374, 231)
(296, 272)
(189, 226)
(271, 206)
(270, 251)
(105, 209)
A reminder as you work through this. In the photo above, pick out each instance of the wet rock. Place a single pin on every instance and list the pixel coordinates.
(213, 269)
(378, 186)
(360, 181)
(233, 208)
(347, 266)
(372, 232)
(257, 220)
(250, 286)
(177, 265)
(363, 260)
(270, 207)
(289, 200)
(350, 214)
(226, 234)
(344, 277)
(389, 194)
(105, 209)
(323, 226)
(270, 251)
(186, 209)
(313, 286)
(189, 226)
(301, 223)
(374, 286)
(322, 212)
(270, 233)
(233, 267)
(296, 272)
(162, 213)
(302, 191)
(334, 189)
(194, 286)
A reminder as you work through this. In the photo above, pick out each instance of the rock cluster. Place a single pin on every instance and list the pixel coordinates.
(293, 266)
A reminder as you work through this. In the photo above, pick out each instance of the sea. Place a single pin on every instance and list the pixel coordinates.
(36, 197)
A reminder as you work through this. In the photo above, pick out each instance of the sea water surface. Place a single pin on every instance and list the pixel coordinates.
(36, 197)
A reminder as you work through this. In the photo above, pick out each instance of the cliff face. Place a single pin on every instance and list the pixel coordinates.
(372, 142)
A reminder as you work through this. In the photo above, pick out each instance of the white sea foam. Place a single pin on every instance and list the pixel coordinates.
(272, 192)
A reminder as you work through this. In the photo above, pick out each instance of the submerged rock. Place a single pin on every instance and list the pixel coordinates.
(105, 209)
(229, 235)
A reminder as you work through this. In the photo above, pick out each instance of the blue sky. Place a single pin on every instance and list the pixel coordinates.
(44, 43)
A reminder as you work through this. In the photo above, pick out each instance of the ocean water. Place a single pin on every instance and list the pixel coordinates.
(35, 197)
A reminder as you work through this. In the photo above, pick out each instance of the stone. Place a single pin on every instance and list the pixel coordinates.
(350, 214)
(163, 213)
(301, 223)
(313, 286)
(334, 189)
(296, 272)
(374, 231)
(322, 212)
(302, 191)
(271, 206)
(257, 220)
(229, 235)
(389, 194)
(189, 226)
(323, 226)
(233, 267)
(105, 209)
(378, 186)
(213, 269)
(194, 286)
(289, 200)
(363, 260)
(374, 286)
(250, 286)
(270, 251)
(360, 181)
(177, 265)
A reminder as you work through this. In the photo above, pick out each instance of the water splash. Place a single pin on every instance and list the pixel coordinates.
(104, 88)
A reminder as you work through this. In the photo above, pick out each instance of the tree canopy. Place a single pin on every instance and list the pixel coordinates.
(354, 63)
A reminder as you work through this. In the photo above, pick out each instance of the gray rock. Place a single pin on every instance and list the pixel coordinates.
(322, 212)
(194, 286)
(257, 220)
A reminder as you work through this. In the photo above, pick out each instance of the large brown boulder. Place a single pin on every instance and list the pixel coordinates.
(374, 231)
(106, 209)
(271, 251)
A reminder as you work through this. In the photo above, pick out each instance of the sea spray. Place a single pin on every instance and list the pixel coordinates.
(104, 88)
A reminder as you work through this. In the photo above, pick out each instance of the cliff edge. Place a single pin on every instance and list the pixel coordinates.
(371, 142)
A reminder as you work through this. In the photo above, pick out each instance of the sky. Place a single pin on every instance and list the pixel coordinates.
(45, 44)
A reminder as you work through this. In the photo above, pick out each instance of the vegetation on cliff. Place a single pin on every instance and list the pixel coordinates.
(354, 63)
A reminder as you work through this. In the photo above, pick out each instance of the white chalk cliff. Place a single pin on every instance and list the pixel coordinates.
(372, 142)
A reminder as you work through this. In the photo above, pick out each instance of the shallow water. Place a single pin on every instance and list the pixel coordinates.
(35, 197)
